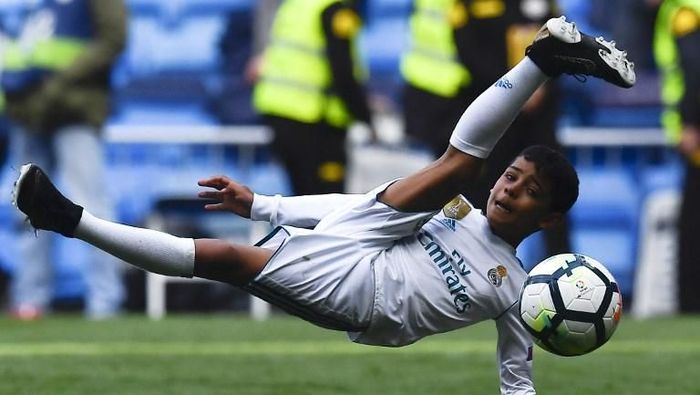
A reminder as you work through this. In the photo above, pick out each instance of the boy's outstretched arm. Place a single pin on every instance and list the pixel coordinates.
(477, 132)
(559, 48)
(299, 211)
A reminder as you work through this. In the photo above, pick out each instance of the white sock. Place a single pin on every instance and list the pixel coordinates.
(487, 118)
(151, 250)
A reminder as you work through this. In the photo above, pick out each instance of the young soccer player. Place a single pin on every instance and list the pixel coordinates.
(408, 259)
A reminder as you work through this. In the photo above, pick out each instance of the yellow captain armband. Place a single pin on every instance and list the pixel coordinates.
(458, 16)
(685, 22)
(346, 23)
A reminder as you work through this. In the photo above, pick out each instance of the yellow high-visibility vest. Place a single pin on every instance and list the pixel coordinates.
(432, 63)
(667, 59)
(55, 33)
(296, 76)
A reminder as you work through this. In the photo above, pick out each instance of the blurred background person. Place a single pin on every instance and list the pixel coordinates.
(56, 80)
(677, 52)
(458, 49)
(444, 69)
(310, 90)
(265, 11)
(263, 17)
(232, 104)
(633, 26)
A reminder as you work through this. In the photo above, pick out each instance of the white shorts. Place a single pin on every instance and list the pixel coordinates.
(326, 275)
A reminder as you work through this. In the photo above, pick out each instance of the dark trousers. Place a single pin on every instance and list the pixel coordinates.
(312, 153)
(689, 243)
(429, 119)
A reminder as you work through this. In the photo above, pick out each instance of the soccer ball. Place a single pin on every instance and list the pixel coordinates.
(570, 304)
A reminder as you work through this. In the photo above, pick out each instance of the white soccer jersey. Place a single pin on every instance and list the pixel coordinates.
(447, 272)
(454, 271)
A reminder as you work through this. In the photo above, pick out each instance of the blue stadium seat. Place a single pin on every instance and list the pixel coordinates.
(182, 8)
(615, 248)
(190, 45)
(639, 107)
(269, 178)
(604, 221)
(169, 62)
(531, 251)
(8, 252)
(666, 176)
(70, 257)
(129, 188)
(144, 7)
(626, 117)
(607, 196)
(171, 170)
(182, 180)
(10, 6)
(12, 13)
(382, 43)
(162, 113)
(209, 7)
(172, 63)
(379, 9)
(580, 12)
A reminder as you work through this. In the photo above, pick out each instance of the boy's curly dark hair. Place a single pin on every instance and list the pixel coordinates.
(562, 176)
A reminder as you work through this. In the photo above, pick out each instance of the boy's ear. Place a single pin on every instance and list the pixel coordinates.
(551, 219)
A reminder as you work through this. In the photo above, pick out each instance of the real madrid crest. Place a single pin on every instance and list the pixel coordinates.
(457, 208)
(497, 274)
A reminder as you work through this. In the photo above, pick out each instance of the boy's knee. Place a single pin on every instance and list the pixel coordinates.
(230, 263)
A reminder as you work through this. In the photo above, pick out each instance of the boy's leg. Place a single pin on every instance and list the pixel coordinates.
(558, 48)
(341, 300)
(226, 262)
(151, 250)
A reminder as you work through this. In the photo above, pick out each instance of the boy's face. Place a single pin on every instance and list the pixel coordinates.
(519, 203)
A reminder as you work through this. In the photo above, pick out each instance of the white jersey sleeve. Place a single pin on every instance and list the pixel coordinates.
(514, 354)
(299, 211)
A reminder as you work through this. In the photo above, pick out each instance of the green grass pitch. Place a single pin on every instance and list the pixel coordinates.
(222, 354)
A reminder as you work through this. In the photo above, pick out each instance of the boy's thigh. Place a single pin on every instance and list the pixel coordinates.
(321, 278)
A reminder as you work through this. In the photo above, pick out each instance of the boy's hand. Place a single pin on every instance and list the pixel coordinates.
(229, 195)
